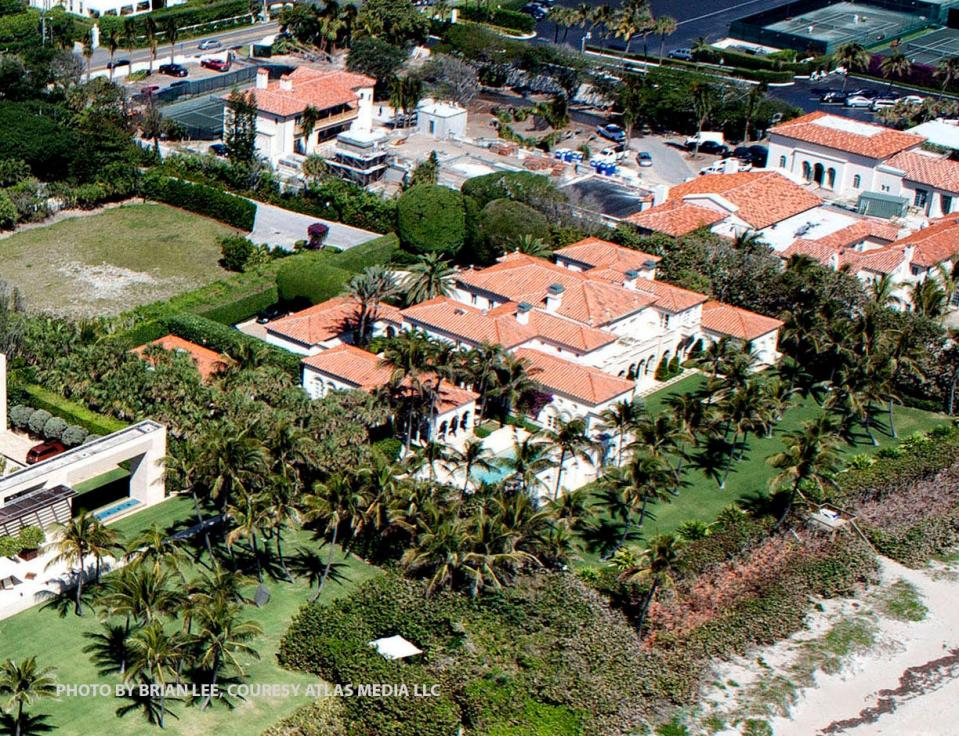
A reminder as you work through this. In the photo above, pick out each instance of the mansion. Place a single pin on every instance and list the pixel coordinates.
(592, 326)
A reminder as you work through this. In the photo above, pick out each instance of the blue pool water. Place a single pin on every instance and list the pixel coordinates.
(495, 474)
(104, 514)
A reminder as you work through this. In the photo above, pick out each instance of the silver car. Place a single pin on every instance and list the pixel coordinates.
(210, 43)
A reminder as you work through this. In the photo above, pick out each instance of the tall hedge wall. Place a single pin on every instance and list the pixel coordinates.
(70, 411)
(204, 200)
(315, 279)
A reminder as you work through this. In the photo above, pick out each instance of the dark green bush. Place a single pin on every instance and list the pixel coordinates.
(502, 223)
(38, 134)
(431, 218)
(235, 251)
(204, 200)
(242, 308)
(311, 277)
(502, 17)
(190, 14)
(73, 413)
(374, 252)
(519, 186)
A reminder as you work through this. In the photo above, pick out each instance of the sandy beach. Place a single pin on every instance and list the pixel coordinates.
(898, 677)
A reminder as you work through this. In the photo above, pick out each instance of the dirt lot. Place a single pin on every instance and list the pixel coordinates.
(106, 263)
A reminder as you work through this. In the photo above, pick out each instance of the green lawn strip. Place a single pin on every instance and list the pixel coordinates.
(114, 260)
(58, 642)
(701, 498)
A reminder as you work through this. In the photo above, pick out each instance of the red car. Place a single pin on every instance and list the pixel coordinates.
(217, 65)
(44, 451)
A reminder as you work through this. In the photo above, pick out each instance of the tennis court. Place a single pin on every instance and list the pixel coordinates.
(933, 46)
(847, 22)
(202, 117)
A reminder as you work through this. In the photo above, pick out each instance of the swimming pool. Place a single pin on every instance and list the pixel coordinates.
(495, 474)
(104, 514)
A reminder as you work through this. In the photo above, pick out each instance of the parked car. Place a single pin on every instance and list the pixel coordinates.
(117, 63)
(833, 97)
(913, 99)
(271, 313)
(611, 132)
(150, 89)
(884, 101)
(534, 9)
(725, 165)
(711, 147)
(217, 65)
(644, 158)
(683, 54)
(858, 101)
(219, 149)
(44, 451)
(173, 70)
(755, 155)
(210, 43)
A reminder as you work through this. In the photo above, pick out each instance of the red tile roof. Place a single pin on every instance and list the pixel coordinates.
(521, 278)
(582, 383)
(326, 320)
(725, 319)
(322, 89)
(882, 260)
(364, 371)
(669, 297)
(676, 217)
(602, 254)
(208, 362)
(500, 325)
(843, 134)
(926, 168)
(763, 198)
(934, 244)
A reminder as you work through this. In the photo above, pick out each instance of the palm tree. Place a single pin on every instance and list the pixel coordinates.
(230, 461)
(334, 503)
(308, 120)
(104, 542)
(142, 594)
(895, 66)
(947, 71)
(431, 276)
(853, 57)
(152, 34)
(530, 457)
(654, 567)
(368, 289)
(23, 683)
(222, 637)
(483, 364)
(927, 298)
(809, 457)
(172, 32)
(665, 26)
(113, 41)
(88, 51)
(474, 456)
(573, 441)
(156, 657)
(621, 418)
(513, 382)
(882, 291)
(628, 491)
(405, 95)
(532, 246)
(626, 24)
(73, 546)
(153, 547)
(248, 513)
(108, 648)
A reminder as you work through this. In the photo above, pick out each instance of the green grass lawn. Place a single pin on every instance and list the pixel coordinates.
(702, 500)
(112, 261)
(58, 642)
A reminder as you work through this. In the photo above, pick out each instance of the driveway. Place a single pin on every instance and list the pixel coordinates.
(669, 167)
(281, 228)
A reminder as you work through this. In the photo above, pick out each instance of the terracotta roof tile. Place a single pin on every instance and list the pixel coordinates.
(822, 249)
(583, 383)
(522, 278)
(934, 244)
(326, 320)
(322, 89)
(882, 260)
(598, 253)
(763, 198)
(669, 297)
(675, 217)
(725, 319)
(844, 134)
(208, 362)
(925, 168)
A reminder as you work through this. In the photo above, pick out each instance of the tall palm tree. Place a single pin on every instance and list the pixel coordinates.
(895, 66)
(928, 298)
(947, 71)
(626, 24)
(72, 546)
(231, 460)
(571, 438)
(665, 26)
(113, 40)
(104, 542)
(22, 684)
(654, 567)
(513, 382)
(405, 94)
(809, 457)
(431, 276)
(334, 503)
(530, 457)
(308, 120)
(222, 638)
(142, 594)
(621, 419)
(483, 364)
(152, 34)
(882, 292)
(368, 289)
(156, 657)
(473, 456)
(172, 32)
(853, 57)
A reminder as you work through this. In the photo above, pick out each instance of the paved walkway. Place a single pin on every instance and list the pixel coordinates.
(282, 228)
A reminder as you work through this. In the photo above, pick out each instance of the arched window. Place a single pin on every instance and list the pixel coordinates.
(831, 178)
(806, 171)
(631, 373)
(856, 181)
(391, 331)
(818, 173)
(466, 420)
(782, 162)
(443, 428)
(454, 425)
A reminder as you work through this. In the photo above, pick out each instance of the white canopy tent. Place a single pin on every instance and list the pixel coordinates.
(395, 647)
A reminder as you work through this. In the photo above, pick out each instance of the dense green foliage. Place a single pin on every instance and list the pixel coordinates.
(519, 186)
(188, 14)
(36, 133)
(431, 218)
(72, 412)
(204, 200)
(502, 17)
(313, 278)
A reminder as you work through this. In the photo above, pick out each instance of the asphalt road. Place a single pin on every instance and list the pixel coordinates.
(282, 228)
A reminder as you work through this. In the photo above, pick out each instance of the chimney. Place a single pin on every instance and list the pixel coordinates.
(630, 279)
(907, 254)
(554, 297)
(286, 84)
(522, 312)
(650, 268)
(834, 261)
(659, 194)
(262, 78)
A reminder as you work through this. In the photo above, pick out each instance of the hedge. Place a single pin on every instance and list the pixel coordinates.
(228, 340)
(315, 280)
(70, 411)
(242, 308)
(502, 17)
(431, 218)
(204, 200)
(380, 250)
(185, 15)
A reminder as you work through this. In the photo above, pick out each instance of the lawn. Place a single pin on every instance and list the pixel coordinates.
(702, 500)
(112, 261)
(58, 642)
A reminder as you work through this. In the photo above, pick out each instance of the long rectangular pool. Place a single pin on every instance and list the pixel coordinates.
(110, 511)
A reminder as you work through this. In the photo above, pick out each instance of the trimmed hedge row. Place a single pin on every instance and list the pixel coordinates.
(380, 250)
(242, 308)
(42, 423)
(315, 279)
(70, 411)
(184, 15)
(503, 17)
(204, 200)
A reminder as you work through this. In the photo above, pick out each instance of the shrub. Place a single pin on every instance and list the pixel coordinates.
(8, 212)
(71, 411)
(36, 133)
(502, 223)
(235, 251)
(186, 16)
(431, 218)
(519, 186)
(54, 428)
(38, 421)
(73, 436)
(312, 278)
(502, 17)
(19, 416)
(9, 546)
(374, 252)
(202, 199)
(242, 308)
(31, 537)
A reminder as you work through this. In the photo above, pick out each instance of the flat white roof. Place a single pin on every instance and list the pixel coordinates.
(810, 225)
(939, 132)
(440, 109)
(847, 125)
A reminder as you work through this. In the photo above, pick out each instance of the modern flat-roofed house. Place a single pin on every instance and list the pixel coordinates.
(307, 107)
(836, 153)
